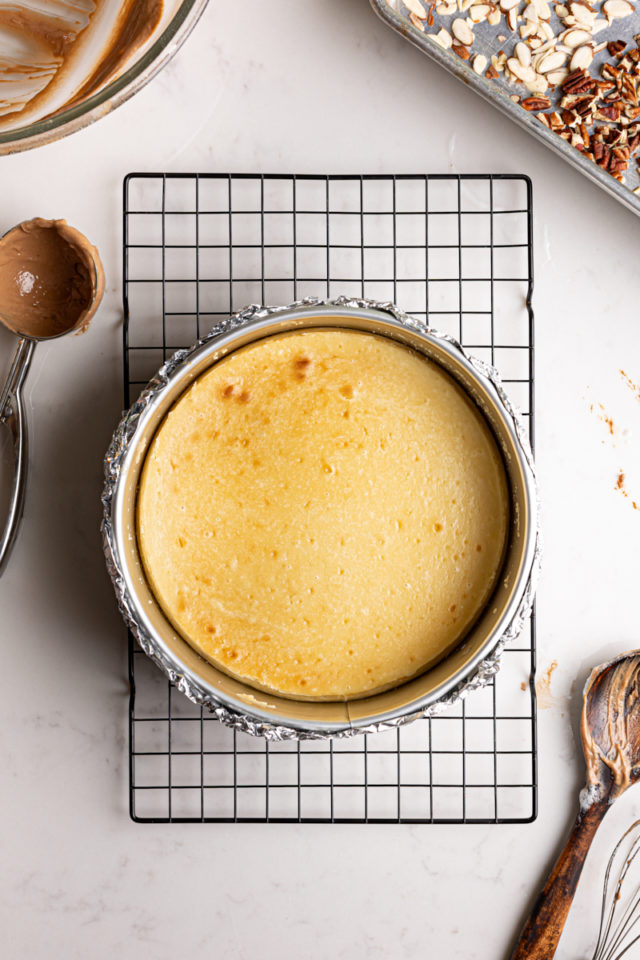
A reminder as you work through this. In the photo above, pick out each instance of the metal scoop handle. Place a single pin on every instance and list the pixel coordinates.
(12, 414)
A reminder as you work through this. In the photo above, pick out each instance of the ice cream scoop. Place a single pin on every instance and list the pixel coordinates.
(51, 282)
(610, 730)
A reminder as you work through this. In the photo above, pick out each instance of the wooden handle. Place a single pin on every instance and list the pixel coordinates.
(541, 934)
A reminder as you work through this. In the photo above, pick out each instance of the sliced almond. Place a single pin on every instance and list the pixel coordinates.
(479, 12)
(535, 42)
(551, 61)
(494, 17)
(583, 15)
(462, 31)
(556, 77)
(582, 58)
(443, 37)
(561, 11)
(616, 9)
(479, 64)
(512, 18)
(417, 22)
(543, 9)
(537, 85)
(463, 5)
(576, 37)
(446, 9)
(527, 30)
(523, 73)
(530, 13)
(523, 53)
(416, 8)
(549, 44)
(508, 4)
(599, 24)
(546, 31)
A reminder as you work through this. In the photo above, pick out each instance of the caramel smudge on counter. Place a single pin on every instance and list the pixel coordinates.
(635, 387)
(620, 485)
(545, 697)
(602, 415)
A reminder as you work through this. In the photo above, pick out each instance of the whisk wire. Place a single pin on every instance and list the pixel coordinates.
(613, 934)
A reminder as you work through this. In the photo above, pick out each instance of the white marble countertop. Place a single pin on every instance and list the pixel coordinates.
(300, 86)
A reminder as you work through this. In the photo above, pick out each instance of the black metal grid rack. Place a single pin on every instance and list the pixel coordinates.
(455, 250)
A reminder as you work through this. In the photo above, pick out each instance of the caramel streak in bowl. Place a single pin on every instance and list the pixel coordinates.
(470, 664)
(66, 71)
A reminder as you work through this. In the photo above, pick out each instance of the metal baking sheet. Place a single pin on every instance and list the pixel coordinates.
(498, 92)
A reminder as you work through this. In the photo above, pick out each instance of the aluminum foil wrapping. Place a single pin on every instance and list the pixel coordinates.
(125, 436)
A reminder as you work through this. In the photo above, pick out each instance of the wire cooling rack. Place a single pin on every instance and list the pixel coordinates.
(455, 250)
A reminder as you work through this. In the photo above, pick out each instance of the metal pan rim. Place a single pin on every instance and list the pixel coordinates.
(252, 711)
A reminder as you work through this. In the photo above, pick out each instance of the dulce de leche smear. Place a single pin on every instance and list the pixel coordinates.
(323, 514)
(51, 279)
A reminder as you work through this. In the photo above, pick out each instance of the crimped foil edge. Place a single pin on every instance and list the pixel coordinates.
(244, 722)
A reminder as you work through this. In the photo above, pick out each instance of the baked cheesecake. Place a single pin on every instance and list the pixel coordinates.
(323, 514)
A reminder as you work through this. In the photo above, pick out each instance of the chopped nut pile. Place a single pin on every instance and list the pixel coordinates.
(599, 115)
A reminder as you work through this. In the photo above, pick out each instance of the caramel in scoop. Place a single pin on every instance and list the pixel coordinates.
(51, 279)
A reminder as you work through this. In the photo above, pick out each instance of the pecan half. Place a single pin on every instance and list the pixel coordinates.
(616, 47)
(616, 165)
(608, 113)
(536, 103)
(609, 71)
(578, 81)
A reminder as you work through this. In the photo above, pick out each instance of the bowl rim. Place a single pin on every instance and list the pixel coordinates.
(476, 672)
(71, 119)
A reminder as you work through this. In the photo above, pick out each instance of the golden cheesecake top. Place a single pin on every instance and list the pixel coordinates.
(323, 514)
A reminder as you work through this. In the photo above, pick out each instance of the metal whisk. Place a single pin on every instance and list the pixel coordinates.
(620, 911)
